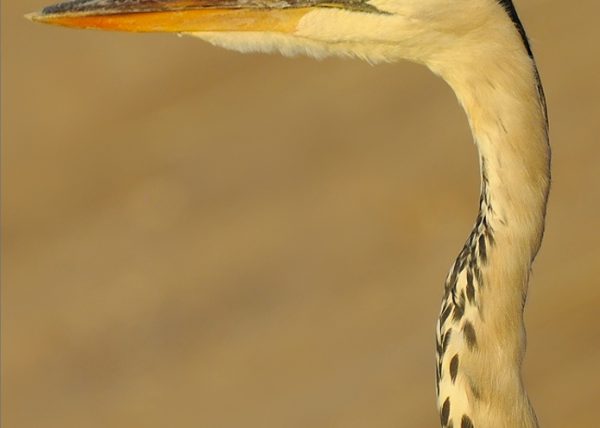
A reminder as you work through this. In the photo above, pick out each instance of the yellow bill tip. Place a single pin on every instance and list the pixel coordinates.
(34, 17)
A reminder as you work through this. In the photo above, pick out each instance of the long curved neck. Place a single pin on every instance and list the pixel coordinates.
(480, 332)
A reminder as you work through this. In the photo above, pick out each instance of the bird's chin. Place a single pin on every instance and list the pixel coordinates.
(266, 42)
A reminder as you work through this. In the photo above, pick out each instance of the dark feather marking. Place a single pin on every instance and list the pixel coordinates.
(482, 249)
(478, 275)
(466, 422)
(445, 413)
(512, 13)
(451, 282)
(514, 17)
(471, 293)
(459, 311)
(445, 314)
(470, 287)
(454, 368)
(469, 333)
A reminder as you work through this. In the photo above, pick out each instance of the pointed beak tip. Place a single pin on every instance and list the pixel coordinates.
(33, 16)
(40, 16)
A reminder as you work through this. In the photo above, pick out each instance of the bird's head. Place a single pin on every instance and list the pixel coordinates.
(375, 30)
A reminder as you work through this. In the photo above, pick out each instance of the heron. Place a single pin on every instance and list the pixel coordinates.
(480, 48)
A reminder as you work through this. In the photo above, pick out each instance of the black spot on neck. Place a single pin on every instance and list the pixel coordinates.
(470, 336)
(445, 413)
(454, 368)
(512, 13)
(466, 422)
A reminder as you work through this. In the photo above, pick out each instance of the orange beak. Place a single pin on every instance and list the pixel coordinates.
(181, 15)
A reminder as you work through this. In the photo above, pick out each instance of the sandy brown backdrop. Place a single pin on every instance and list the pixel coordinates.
(197, 238)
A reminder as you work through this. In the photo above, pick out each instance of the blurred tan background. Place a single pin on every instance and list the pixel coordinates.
(198, 238)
